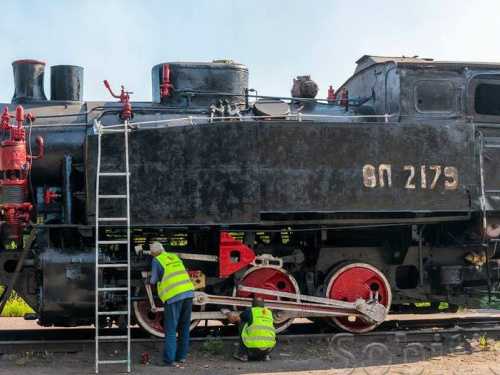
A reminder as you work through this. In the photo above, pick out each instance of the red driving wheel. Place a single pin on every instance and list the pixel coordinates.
(348, 282)
(153, 322)
(274, 279)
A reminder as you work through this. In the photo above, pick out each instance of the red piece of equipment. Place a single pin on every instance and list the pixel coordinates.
(233, 255)
(343, 96)
(331, 93)
(145, 358)
(49, 196)
(124, 98)
(166, 85)
(15, 165)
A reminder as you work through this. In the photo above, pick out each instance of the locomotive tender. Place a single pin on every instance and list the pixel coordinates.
(388, 190)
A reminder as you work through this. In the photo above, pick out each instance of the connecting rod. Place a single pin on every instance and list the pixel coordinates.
(369, 310)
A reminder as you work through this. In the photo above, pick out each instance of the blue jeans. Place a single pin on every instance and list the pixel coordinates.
(177, 317)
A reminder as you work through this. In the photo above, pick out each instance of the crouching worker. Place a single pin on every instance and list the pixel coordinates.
(256, 329)
(176, 291)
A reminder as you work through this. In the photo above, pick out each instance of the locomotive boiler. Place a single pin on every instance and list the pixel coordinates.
(384, 194)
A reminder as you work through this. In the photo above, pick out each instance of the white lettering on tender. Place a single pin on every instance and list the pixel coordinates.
(369, 177)
(383, 175)
(409, 183)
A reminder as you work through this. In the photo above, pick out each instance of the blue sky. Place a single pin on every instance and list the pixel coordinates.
(277, 39)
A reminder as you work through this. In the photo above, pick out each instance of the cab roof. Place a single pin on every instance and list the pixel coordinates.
(369, 60)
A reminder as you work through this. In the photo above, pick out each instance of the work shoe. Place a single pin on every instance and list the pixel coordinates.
(183, 360)
(165, 364)
(241, 357)
(266, 358)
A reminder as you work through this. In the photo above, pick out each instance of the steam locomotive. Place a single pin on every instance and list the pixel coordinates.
(386, 190)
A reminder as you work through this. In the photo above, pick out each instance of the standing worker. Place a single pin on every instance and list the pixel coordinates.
(176, 291)
(256, 328)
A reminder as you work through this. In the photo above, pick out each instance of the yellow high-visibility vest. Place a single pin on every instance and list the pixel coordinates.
(260, 334)
(175, 279)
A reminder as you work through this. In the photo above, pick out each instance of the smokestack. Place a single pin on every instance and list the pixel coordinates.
(28, 80)
(66, 83)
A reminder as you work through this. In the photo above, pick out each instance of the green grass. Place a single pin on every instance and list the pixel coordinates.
(25, 359)
(213, 346)
(15, 307)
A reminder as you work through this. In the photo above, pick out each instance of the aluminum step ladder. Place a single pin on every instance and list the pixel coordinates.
(101, 222)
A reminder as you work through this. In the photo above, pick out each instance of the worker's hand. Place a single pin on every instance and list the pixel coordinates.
(145, 280)
(225, 311)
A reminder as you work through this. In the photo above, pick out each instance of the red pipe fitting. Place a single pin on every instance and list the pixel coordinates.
(124, 98)
(108, 86)
(331, 93)
(49, 196)
(127, 111)
(25, 217)
(124, 95)
(41, 150)
(343, 96)
(26, 206)
(10, 214)
(166, 85)
(6, 116)
(19, 115)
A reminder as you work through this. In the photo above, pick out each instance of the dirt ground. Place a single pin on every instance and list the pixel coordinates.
(340, 354)
(336, 356)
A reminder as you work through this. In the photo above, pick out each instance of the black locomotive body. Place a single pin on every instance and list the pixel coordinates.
(389, 188)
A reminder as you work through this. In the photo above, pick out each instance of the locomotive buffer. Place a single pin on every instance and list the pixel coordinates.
(100, 290)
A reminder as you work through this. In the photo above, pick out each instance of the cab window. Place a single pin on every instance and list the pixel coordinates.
(435, 96)
(487, 99)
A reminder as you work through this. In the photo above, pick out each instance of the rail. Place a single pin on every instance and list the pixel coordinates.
(61, 339)
(294, 116)
(191, 119)
(289, 117)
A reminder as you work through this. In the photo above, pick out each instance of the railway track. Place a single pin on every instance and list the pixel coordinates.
(449, 331)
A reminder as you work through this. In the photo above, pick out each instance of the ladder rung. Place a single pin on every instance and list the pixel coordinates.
(112, 313)
(113, 174)
(112, 337)
(112, 289)
(492, 191)
(116, 242)
(113, 219)
(123, 196)
(495, 240)
(113, 131)
(112, 362)
(112, 265)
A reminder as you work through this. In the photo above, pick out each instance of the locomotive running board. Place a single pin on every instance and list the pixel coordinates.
(369, 310)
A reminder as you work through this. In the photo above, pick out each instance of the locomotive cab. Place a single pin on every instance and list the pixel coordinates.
(420, 89)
